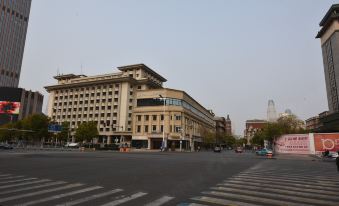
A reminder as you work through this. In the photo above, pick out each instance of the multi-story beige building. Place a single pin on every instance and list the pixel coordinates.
(170, 117)
(117, 102)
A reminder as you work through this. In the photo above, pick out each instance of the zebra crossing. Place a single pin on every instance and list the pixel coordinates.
(19, 190)
(266, 184)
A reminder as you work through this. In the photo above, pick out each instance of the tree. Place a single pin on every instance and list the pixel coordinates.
(86, 131)
(229, 140)
(38, 123)
(64, 134)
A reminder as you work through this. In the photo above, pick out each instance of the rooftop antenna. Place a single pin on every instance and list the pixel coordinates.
(58, 71)
(81, 72)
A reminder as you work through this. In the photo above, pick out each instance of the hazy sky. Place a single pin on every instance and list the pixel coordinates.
(232, 56)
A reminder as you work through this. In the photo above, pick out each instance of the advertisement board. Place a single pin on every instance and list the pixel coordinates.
(7, 107)
(293, 144)
(325, 141)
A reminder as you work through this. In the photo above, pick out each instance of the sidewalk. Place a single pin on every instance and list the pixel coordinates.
(296, 157)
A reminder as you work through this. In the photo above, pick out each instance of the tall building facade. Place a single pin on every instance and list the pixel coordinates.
(14, 16)
(18, 103)
(271, 112)
(228, 125)
(329, 36)
(130, 106)
(252, 127)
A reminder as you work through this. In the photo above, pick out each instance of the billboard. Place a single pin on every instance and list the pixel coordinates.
(325, 141)
(293, 144)
(10, 94)
(7, 107)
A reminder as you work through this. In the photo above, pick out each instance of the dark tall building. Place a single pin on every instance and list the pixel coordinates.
(14, 16)
(228, 126)
(329, 35)
(17, 103)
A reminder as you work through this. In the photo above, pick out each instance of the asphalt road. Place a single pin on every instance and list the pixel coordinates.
(154, 178)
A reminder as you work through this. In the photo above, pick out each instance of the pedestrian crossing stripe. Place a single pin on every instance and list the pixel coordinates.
(289, 176)
(269, 180)
(219, 201)
(275, 186)
(160, 201)
(24, 183)
(10, 177)
(15, 197)
(256, 199)
(226, 187)
(126, 199)
(54, 197)
(31, 188)
(19, 180)
(89, 198)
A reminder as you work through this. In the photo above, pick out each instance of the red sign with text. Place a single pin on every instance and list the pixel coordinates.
(324, 142)
(293, 144)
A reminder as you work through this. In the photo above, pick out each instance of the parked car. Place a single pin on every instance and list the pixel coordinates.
(5, 146)
(238, 150)
(264, 151)
(72, 145)
(217, 149)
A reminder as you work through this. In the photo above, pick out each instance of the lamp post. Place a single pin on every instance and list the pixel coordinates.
(163, 123)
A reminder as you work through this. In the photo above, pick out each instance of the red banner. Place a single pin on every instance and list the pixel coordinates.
(324, 142)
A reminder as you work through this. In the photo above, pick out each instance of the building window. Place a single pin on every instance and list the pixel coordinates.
(154, 128)
(177, 117)
(138, 129)
(162, 117)
(161, 128)
(146, 117)
(139, 118)
(177, 129)
(146, 128)
(154, 117)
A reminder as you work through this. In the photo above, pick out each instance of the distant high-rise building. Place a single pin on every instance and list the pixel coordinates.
(329, 36)
(13, 28)
(271, 112)
(228, 125)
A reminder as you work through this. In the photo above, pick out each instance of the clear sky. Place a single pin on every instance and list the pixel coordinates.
(230, 55)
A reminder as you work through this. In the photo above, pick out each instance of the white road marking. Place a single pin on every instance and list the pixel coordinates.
(293, 175)
(5, 175)
(277, 178)
(13, 177)
(275, 196)
(290, 187)
(126, 199)
(31, 188)
(39, 192)
(251, 179)
(25, 183)
(89, 198)
(255, 199)
(54, 197)
(160, 201)
(20, 180)
(214, 200)
(269, 190)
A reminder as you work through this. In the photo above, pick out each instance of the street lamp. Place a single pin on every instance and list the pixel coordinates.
(163, 122)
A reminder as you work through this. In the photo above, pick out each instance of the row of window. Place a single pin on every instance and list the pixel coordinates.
(176, 129)
(88, 88)
(173, 102)
(155, 117)
(14, 13)
(86, 95)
